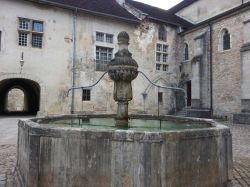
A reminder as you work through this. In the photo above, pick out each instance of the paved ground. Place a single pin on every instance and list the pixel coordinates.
(8, 140)
(241, 150)
(241, 154)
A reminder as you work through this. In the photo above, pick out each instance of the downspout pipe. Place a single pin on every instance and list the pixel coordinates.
(211, 66)
(73, 84)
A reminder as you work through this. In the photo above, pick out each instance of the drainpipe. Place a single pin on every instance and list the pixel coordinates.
(73, 62)
(211, 67)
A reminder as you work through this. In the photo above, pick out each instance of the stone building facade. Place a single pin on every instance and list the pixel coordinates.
(67, 43)
(63, 45)
(223, 75)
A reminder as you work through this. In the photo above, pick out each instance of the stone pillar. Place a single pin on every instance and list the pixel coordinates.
(244, 116)
(200, 81)
(195, 86)
(245, 79)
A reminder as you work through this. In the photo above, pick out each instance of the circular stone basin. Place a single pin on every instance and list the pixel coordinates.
(89, 151)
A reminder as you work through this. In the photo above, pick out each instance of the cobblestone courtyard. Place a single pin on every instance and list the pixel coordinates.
(241, 150)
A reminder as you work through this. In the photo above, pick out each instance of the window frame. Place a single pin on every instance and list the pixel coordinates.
(105, 37)
(221, 43)
(31, 33)
(186, 52)
(162, 33)
(226, 40)
(161, 56)
(86, 94)
(102, 64)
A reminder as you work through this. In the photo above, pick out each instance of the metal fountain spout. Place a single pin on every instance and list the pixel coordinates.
(123, 70)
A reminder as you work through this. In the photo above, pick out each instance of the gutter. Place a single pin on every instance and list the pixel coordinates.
(211, 67)
(60, 5)
(72, 107)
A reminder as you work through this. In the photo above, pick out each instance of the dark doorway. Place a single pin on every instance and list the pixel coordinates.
(10, 98)
(189, 92)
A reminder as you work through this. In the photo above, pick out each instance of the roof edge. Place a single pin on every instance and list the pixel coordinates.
(73, 8)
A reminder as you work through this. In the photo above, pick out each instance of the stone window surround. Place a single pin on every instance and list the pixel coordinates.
(220, 40)
(31, 31)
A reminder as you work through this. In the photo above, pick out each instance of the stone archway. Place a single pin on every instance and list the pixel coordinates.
(29, 83)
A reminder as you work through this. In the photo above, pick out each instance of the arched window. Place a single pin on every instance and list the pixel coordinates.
(186, 53)
(226, 40)
(162, 35)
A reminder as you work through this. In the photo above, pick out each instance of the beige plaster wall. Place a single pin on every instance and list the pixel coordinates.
(52, 64)
(48, 64)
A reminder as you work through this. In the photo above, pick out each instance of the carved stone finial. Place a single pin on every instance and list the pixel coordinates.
(123, 38)
(122, 70)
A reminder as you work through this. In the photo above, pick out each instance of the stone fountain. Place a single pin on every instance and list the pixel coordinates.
(122, 70)
(104, 151)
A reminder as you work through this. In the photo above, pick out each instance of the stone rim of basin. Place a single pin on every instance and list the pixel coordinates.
(38, 123)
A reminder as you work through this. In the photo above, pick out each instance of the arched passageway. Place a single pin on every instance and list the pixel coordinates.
(13, 102)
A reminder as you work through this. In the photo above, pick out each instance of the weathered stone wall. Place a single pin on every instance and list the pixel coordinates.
(227, 66)
(72, 157)
(197, 67)
(53, 63)
(143, 40)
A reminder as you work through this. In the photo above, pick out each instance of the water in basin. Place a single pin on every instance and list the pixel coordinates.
(133, 124)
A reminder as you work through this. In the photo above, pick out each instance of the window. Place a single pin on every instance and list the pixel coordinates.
(103, 56)
(162, 34)
(37, 40)
(158, 67)
(165, 67)
(37, 26)
(161, 57)
(86, 95)
(99, 36)
(23, 39)
(109, 38)
(165, 57)
(186, 55)
(160, 97)
(161, 53)
(226, 40)
(103, 37)
(30, 32)
(24, 24)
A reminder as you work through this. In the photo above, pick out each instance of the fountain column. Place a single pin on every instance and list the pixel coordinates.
(122, 70)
